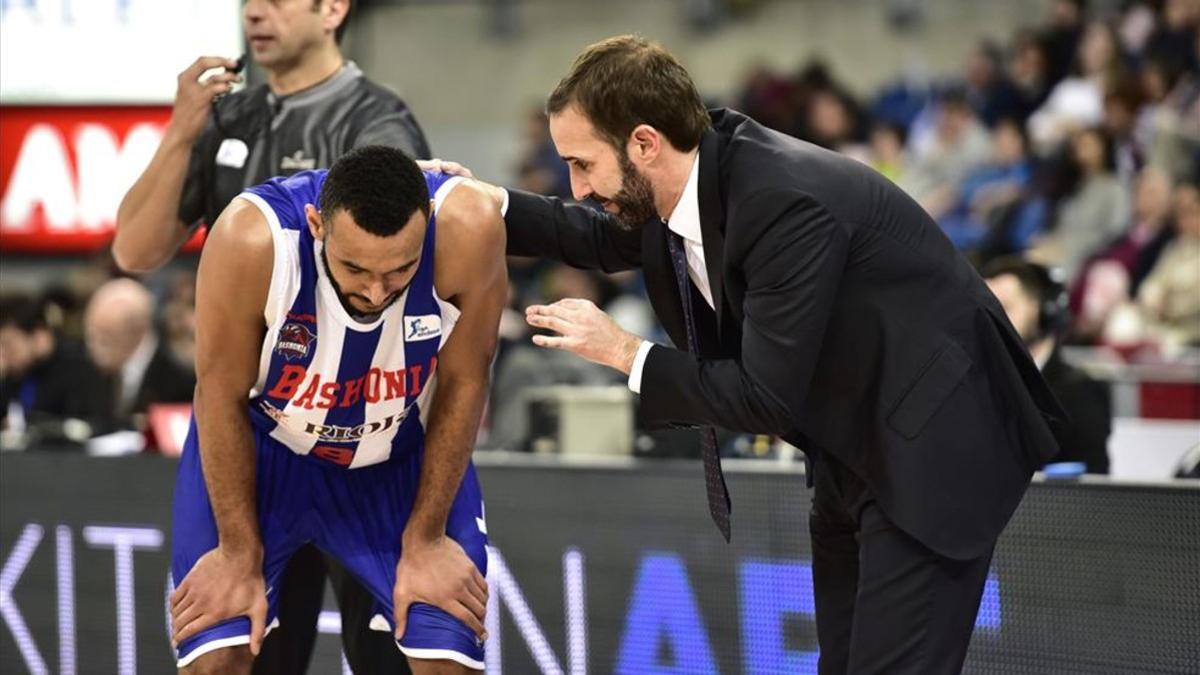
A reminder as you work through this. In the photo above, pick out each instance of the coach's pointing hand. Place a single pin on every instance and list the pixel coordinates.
(220, 586)
(439, 573)
(585, 330)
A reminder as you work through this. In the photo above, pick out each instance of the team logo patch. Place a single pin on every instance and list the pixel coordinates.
(294, 341)
(422, 327)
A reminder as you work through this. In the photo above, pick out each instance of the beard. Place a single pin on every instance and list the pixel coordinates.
(635, 199)
(344, 298)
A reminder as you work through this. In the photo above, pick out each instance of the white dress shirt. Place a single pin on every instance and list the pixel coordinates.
(684, 221)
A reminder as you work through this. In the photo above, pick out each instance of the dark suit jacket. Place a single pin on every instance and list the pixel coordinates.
(845, 322)
(1084, 437)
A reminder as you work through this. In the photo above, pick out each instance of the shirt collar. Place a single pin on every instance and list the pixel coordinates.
(685, 219)
(347, 74)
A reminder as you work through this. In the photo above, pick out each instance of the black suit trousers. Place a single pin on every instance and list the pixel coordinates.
(885, 602)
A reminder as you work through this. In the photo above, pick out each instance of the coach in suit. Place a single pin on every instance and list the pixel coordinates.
(809, 298)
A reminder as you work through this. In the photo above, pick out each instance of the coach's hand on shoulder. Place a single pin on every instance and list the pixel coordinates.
(444, 166)
(438, 572)
(221, 586)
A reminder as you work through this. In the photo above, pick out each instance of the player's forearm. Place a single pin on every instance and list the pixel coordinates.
(228, 460)
(148, 227)
(454, 421)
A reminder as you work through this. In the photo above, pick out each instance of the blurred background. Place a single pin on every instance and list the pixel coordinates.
(1064, 133)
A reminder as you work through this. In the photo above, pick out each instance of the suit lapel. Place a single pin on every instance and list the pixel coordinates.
(660, 282)
(712, 214)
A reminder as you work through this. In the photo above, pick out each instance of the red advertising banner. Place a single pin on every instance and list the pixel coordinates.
(64, 170)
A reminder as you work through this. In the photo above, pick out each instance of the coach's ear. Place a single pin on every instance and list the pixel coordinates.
(316, 224)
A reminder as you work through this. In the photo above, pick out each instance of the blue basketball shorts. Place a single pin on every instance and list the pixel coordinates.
(355, 515)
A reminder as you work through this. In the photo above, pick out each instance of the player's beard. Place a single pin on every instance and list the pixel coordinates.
(344, 298)
(635, 199)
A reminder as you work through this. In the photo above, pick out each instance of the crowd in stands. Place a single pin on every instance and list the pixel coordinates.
(1076, 145)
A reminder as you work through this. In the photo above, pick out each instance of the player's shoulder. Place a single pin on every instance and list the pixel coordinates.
(242, 230)
(470, 230)
(467, 211)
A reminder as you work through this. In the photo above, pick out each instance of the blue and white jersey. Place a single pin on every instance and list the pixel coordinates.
(328, 386)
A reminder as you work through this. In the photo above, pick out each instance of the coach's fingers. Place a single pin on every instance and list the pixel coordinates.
(550, 341)
(401, 616)
(553, 323)
(467, 615)
(258, 625)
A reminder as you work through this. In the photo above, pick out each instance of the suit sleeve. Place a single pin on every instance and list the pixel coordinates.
(545, 227)
(792, 255)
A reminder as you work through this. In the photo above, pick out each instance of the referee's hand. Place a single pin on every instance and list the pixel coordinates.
(194, 97)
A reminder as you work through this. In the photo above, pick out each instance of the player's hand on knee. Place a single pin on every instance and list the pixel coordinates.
(220, 586)
(440, 573)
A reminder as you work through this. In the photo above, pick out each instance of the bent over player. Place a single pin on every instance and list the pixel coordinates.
(346, 322)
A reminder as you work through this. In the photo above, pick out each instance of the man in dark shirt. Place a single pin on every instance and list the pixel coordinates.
(314, 107)
(1037, 307)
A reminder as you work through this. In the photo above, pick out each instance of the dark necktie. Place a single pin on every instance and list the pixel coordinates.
(719, 505)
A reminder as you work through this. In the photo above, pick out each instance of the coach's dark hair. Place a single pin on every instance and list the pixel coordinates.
(627, 80)
(381, 188)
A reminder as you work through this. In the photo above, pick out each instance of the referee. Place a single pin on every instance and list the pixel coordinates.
(315, 107)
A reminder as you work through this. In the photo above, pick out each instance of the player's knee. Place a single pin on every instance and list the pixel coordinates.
(439, 667)
(225, 661)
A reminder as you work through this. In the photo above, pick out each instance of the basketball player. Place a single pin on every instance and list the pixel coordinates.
(345, 327)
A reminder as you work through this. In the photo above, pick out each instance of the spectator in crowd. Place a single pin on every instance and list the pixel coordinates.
(540, 169)
(1078, 101)
(988, 89)
(1116, 273)
(1168, 301)
(987, 194)
(1121, 105)
(1036, 305)
(1060, 39)
(179, 319)
(956, 145)
(1093, 213)
(124, 346)
(1174, 39)
(830, 120)
(45, 379)
(1027, 70)
(886, 153)
(1170, 120)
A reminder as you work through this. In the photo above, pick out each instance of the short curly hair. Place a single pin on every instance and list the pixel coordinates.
(380, 187)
